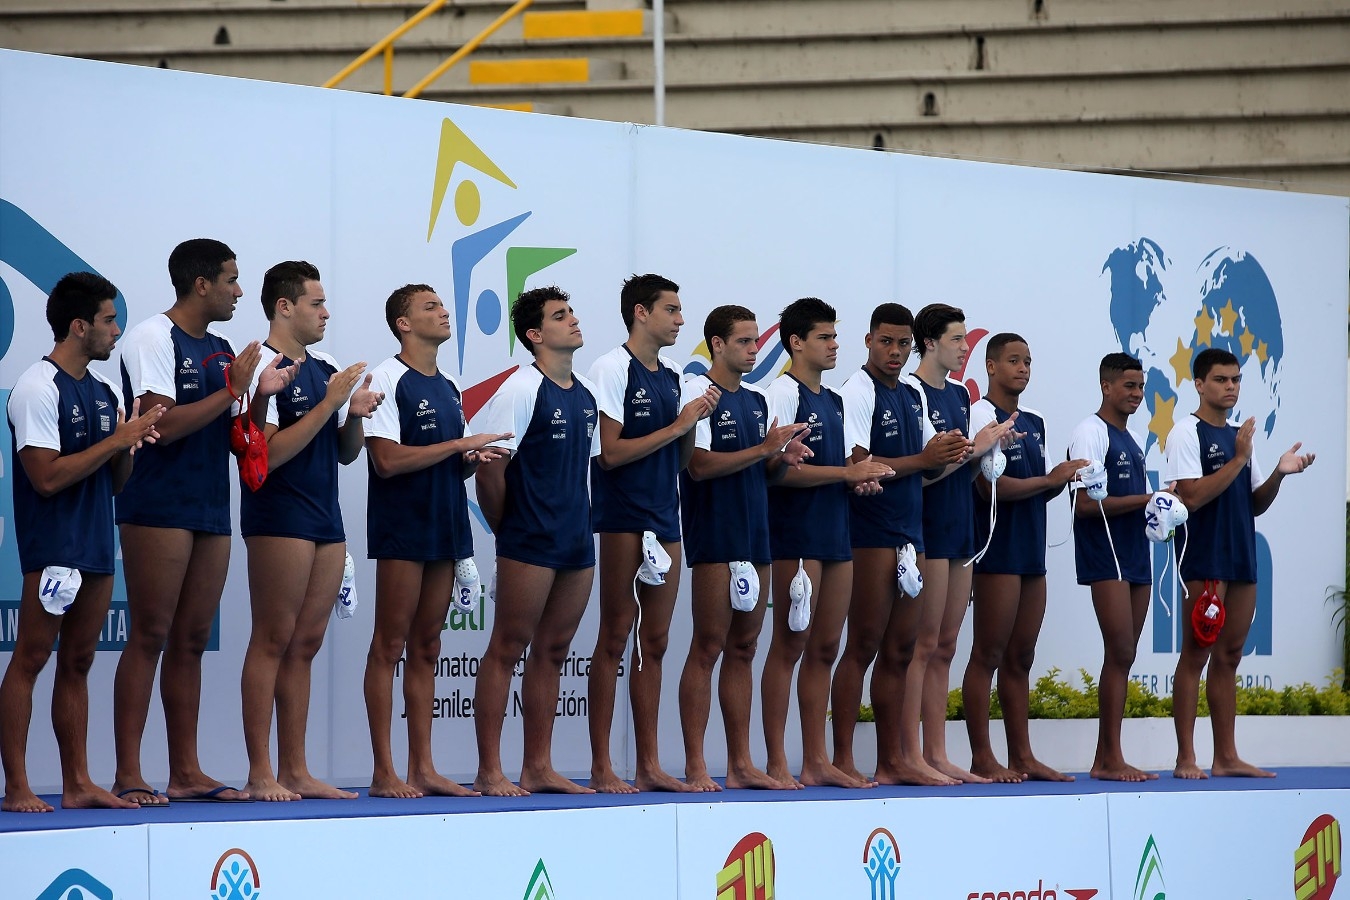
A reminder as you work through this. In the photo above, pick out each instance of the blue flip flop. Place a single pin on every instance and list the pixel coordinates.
(212, 796)
(122, 795)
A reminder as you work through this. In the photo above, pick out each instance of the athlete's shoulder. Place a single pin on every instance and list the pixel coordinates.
(324, 358)
(783, 385)
(106, 381)
(585, 382)
(984, 406)
(611, 364)
(670, 364)
(1027, 412)
(158, 327)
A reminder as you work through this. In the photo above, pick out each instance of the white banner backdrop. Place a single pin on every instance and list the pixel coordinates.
(108, 167)
(71, 863)
(1228, 844)
(1041, 847)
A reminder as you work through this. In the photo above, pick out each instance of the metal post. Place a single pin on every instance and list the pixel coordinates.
(659, 58)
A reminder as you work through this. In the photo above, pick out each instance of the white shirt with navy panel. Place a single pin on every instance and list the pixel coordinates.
(642, 495)
(726, 519)
(546, 519)
(1126, 475)
(160, 358)
(810, 522)
(1018, 547)
(74, 527)
(1219, 537)
(299, 499)
(948, 509)
(422, 515)
(886, 422)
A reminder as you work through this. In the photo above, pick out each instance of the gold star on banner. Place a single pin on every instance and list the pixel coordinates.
(1204, 327)
(1247, 339)
(1181, 362)
(1161, 423)
(1262, 351)
(1227, 318)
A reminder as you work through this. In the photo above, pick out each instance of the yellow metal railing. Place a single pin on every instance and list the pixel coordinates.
(386, 46)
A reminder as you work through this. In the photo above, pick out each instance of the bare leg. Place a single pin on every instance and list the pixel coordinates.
(1120, 609)
(398, 585)
(620, 554)
(1014, 682)
(869, 611)
(1221, 685)
(910, 767)
(543, 671)
(278, 574)
(813, 679)
(419, 680)
(37, 633)
(785, 648)
(938, 675)
(293, 678)
(996, 608)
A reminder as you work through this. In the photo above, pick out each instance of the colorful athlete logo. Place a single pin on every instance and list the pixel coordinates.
(748, 872)
(1148, 881)
(540, 886)
(235, 877)
(76, 884)
(468, 250)
(881, 863)
(1317, 860)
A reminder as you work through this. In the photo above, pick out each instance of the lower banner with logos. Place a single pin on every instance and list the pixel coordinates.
(1032, 848)
(75, 864)
(539, 855)
(1253, 843)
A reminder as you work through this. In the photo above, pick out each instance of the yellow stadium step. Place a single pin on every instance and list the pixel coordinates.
(543, 71)
(585, 24)
(547, 109)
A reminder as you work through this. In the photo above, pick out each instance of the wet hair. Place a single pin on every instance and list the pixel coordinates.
(722, 320)
(891, 314)
(931, 324)
(1114, 365)
(76, 296)
(642, 290)
(285, 281)
(996, 343)
(1208, 359)
(396, 307)
(197, 258)
(528, 311)
(800, 316)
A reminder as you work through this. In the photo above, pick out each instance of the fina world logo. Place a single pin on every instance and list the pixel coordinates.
(881, 863)
(1156, 321)
(76, 884)
(235, 877)
(470, 249)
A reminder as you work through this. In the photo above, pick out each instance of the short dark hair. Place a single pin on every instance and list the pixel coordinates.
(891, 314)
(1113, 365)
(642, 290)
(285, 281)
(528, 311)
(397, 305)
(800, 316)
(722, 320)
(931, 324)
(77, 295)
(197, 258)
(1208, 359)
(1001, 340)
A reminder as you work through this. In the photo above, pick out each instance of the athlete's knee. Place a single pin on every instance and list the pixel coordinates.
(29, 660)
(193, 643)
(824, 652)
(944, 650)
(654, 643)
(425, 652)
(304, 647)
(743, 651)
(75, 662)
(861, 648)
(1224, 657)
(1019, 659)
(149, 636)
(987, 656)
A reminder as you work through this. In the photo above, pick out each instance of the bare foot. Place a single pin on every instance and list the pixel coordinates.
(92, 796)
(395, 788)
(825, 774)
(1185, 770)
(199, 785)
(311, 788)
(268, 790)
(1122, 771)
(920, 774)
(548, 781)
(784, 778)
(24, 801)
(951, 770)
(1034, 770)
(495, 784)
(608, 782)
(851, 770)
(702, 783)
(434, 784)
(992, 770)
(657, 780)
(1238, 769)
(141, 795)
(750, 778)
